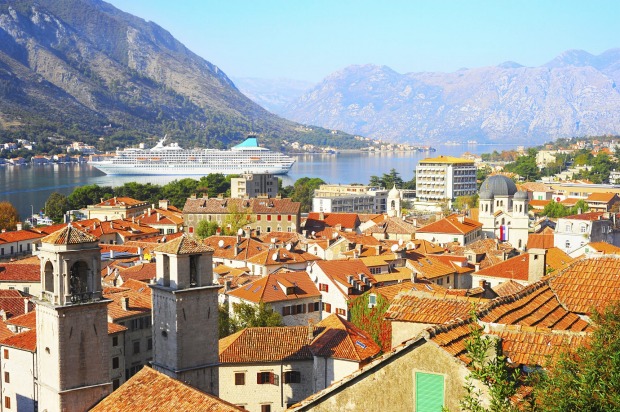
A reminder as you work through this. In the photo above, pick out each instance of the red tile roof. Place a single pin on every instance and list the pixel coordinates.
(588, 284)
(283, 257)
(142, 272)
(15, 306)
(114, 328)
(435, 308)
(345, 220)
(605, 248)
(601, 197)
(452, 337)
(69, 236)
(121, 201)
(389, 292)
(152, 391)
(510, 287)
(20, 236)
(340, 339)
(540, 240)
(24, 341)
(139, 303)
(271, 288)
(338, 272)
(246, 247)
(183, 246)
(452, 224)
(587, 216)
(266, 344)
(27, 320)
(17, 272)
(513, 268)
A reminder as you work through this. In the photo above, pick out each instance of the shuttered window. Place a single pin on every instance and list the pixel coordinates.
(429, 390)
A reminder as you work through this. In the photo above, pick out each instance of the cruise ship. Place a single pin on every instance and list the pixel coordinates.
(246, 157)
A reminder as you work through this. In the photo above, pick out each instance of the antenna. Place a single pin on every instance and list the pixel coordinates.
(220, 243)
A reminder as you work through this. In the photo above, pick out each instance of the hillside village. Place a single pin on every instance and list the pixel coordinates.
(364, 293)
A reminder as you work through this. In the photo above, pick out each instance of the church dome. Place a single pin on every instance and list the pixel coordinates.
(499, 185)
(486, 195)
(521, 195)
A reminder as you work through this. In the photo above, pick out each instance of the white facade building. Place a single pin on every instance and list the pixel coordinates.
(254, 185)
(444, 178)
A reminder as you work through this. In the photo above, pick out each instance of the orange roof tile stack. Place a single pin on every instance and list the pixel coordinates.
(452, 224)
(25, 341)
(183, 246)
(433, 308)
(272, 288)
(69, 235)
(266, 344)
(338, 338)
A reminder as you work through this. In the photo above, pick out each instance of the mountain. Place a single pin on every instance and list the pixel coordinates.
(84, 69)
(574, 94)
(272, 94)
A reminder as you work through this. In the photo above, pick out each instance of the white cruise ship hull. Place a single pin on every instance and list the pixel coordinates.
(187, 169)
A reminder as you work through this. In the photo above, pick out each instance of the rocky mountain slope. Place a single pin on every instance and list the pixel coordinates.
(575, 94)
(272, 94)
(82, 68)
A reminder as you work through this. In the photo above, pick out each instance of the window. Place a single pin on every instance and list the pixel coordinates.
(279, 217)
(265, 377)
(341, 312)
(313, 307)
(567, 244)
(191, 229)
(6, 354)
(258, 218)
(136, 347)
(268, 218)
(292, 377)
(26, 289)
(429, 392)
(290, 218)
(7, 402)
(7, 377)
(327, 307)
(323, 287)
(115, 341)
(265, 408)
(115, 363)
(286, 310)
(115, 384)
(149, 344)
(239, 378)
(372, 300)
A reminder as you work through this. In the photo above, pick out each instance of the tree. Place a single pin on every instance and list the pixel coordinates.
(303, 191)
(56, 205)
(223, 321)
(8, 216)
(465, 202)
(588, 377)
(206, 229)
(525, 166)
(89, 195)
(234, 220)
(248, 315)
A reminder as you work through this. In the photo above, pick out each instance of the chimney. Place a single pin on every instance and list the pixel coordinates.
(111, 254)
(378, 249)
(18, 226)
(158, 217)
(476, 267)
(537, 265)
(125, 303)
(26, 307)
(310, 330)
(321, 216)
(163, 204)
(227, 285)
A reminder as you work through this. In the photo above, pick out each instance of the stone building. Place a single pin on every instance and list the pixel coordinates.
(117, 208)
(503, 211)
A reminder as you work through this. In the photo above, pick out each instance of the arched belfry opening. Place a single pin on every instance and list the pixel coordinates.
(48, 271)
(78, 280)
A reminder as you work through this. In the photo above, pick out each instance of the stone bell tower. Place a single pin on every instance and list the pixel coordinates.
(73, 365)
(185, 314)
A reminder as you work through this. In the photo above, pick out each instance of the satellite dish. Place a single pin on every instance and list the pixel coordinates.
(334, 235)
(394, 247)
(288, 246)
(240, 232)
(313, 233)
(274, 240)
(400, 242)
(220, 243)
(274, 256)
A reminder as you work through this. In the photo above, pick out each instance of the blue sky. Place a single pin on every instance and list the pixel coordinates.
(309, 39)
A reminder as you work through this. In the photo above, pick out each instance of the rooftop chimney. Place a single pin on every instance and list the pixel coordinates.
(125, 303)
(26, 308)
(310, 330)
(537, 265)
(163, 204)
(18, 226)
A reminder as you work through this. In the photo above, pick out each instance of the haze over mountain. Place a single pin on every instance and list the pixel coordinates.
(272, 94)
(574, 94)
(82, 69)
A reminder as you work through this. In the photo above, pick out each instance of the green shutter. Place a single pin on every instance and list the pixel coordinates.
(428, 392)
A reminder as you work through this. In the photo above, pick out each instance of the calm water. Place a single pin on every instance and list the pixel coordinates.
(28, 187)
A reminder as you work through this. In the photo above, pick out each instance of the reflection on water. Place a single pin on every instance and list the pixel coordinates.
(29, 187)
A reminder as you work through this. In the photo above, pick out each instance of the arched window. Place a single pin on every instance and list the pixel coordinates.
(393, 204)
(78, 278)
(49, 277)
(166, 270)
(503, 221)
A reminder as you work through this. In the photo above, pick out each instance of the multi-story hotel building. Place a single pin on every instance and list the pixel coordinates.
(444, 178)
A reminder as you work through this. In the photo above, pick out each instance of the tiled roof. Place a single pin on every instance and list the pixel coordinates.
(535, 305)
(69, 236)
(513, 268)
(535, 187)
(17, 272)
(557, 259)
(426, 248)
(452, 224)
(587, 216)
(25, 341)
(601, 197)
(142, 272)
(588, 284)
(540, 240)
(283, 257)
(452, 337)
(139, 303)
(391, 225)
(183, 246)
(266, 344)
(15, 306)
(27, 320)
(435, 308)
(428, 266)
(346, 220)
(389, 292)
(605, 248)
(339, 270)
(121, 201)
(536, 346)
(160, 217)
(509, 287)
(270, 288)
(340, 339)
(152, 391)
(458, 263)
(5, 332)
(246, 247)
(20, 236)
(539, 204)
(255, 206)
(115, 328)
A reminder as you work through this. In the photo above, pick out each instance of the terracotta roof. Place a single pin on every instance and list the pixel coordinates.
(540, 240)
(425, 247)
(114, 328)
(340, 339)
(149, 390)
(17, 272)
(266, 344)
(160, 217)
(535, 305)
(246, 247)
(389, 292)
(513, 268)
(345, 220)
(255, 206)
(537, 346)
(435, 308)
(339, 270)
(392, 225)
(69, 236)
(509, 287)
(587, 216)
(539, 204)
(452, 224)
(601, 197)
(27, 320)
(183, 246)
(605, 248)
(19, 236)
(428, 266)
(142, 272)
(535, 187)
(121, 201)
(452, 337)
(588, 284)
(272, 288)
(5, 332)
(283, 257)
(15, 306)
(458, 263)
(557, 259)
(25, 341)
(139, 303)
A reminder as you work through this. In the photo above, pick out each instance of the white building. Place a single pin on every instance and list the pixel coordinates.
(503, 211)
(443, 179)
(254, 185)
(574, 232)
